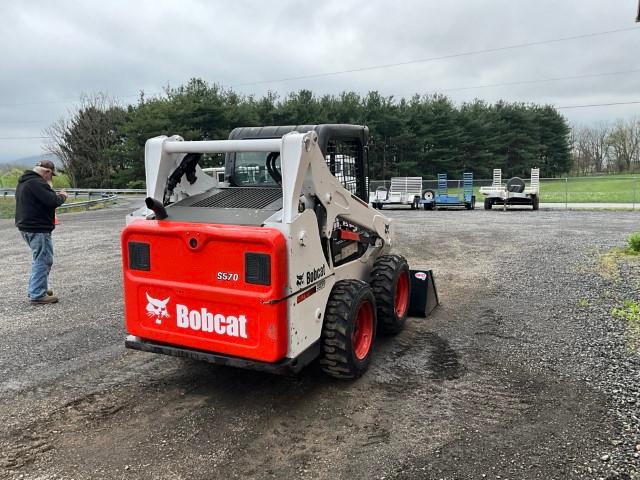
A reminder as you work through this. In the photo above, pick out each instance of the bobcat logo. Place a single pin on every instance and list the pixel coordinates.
(300, 279)
(157, 308)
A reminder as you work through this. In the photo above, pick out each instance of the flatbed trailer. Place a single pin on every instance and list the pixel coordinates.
(513, 192)
(403, 191)
(442, 199)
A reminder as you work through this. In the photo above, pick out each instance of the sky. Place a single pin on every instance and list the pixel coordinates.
(56, 51)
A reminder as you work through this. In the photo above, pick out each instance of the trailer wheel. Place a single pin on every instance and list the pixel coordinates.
(428, 195)
(535, 202)
(349, 329)
(488, 204)
(392, 288)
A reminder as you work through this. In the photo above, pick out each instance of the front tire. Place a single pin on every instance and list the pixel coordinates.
(488, 203)
(391, 286)
(349, 329)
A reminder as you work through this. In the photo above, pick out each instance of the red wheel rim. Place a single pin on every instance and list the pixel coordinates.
(363, 330)
(401, 301)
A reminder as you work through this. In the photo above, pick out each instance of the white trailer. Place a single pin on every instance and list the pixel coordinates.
(403, 191)
(513, 192)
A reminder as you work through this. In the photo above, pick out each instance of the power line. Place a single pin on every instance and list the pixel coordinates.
(455, 89)
(542, 80)
(442, 57)
(22, 138)
(51, 102)
(599, 105)
(377, 67)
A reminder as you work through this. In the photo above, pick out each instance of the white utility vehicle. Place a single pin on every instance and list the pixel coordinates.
(282, 263)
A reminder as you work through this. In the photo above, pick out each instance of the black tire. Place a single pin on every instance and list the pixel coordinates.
(488, 204)
(535, 202)
(428, 195)
(344, 353)
(391, 285)
(515, 185)
(380, 206)
(473, 202)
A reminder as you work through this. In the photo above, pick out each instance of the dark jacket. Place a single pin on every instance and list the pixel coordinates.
(36, 203)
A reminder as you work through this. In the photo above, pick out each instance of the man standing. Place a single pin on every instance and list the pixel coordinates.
(36, 204)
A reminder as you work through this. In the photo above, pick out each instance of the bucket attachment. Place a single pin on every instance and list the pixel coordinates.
(424, 296)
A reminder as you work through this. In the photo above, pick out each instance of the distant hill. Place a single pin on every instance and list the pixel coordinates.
(30, 161)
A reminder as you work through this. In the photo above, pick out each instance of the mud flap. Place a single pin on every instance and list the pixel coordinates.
(424, 296)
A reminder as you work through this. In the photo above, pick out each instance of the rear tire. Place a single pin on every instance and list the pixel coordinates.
(349, 330)
(535, 202)
(391, 286)
(488, 204)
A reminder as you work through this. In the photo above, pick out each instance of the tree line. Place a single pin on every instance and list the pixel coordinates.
(606, 148)
(101, 144)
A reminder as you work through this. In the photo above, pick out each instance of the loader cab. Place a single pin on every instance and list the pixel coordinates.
(343, 146)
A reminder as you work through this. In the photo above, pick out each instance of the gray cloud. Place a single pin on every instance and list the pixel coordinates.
(56, 51)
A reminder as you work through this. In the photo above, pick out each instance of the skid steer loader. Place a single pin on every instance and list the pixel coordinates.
(282, 263)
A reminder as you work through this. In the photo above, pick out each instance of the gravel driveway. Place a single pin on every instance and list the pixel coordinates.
(521, 373)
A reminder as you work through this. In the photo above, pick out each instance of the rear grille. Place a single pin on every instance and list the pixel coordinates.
(241, 197)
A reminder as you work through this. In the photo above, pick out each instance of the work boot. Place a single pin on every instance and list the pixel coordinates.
(44, 300)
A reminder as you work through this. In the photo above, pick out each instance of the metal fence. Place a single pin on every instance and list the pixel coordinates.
(86, 192)
(616, 190)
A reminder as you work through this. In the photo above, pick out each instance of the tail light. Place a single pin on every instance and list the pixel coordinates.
(257, 268)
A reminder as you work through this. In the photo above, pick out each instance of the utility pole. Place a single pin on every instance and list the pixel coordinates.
(638, 17)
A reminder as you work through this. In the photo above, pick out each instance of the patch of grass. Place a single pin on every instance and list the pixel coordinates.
(7, 207)
(630, 313)
(610, 264)
(633, 243)
(610, 261)
(583, 303)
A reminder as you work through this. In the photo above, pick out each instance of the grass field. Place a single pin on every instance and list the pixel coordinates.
(610, 189)
(605, 189)
(8, 208)
(10, 179)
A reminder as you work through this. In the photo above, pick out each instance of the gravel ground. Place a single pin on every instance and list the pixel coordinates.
(521, 373)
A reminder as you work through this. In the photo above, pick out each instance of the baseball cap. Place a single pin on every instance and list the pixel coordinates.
(47, 164)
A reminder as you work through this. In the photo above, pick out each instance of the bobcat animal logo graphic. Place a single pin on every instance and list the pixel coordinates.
(300, 280)
(157, 308)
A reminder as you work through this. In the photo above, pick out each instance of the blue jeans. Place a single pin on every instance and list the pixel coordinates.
(41, 246)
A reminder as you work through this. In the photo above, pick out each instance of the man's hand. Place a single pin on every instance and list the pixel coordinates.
(64, 193)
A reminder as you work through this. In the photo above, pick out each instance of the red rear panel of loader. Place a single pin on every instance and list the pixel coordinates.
(207, 287)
